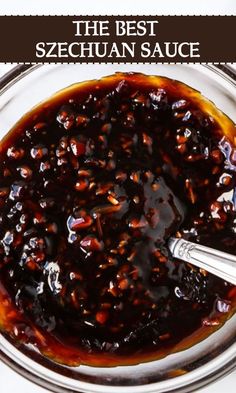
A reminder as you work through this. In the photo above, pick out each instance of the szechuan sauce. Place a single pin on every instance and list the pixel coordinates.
(93, 183)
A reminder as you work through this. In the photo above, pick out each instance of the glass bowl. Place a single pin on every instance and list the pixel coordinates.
(185, 371)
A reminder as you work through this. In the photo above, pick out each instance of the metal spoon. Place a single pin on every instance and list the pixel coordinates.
(216, 262)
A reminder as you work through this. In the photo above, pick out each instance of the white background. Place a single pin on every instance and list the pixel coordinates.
(10, 382)
(116, 7)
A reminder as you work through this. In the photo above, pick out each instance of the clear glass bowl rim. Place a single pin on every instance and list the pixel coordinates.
(223, 368)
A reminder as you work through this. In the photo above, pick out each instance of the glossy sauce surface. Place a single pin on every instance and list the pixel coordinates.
(93, 183)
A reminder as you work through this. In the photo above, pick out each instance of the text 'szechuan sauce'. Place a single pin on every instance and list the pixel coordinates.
(93, 182)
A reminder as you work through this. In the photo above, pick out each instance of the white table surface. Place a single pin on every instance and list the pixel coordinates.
(10, 382)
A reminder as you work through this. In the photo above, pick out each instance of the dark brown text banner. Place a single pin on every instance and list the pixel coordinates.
(116, 39)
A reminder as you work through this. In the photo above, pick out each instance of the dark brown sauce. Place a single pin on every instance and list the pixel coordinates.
(93, 183)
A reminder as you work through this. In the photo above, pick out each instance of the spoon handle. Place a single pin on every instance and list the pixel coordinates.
(216, 262)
